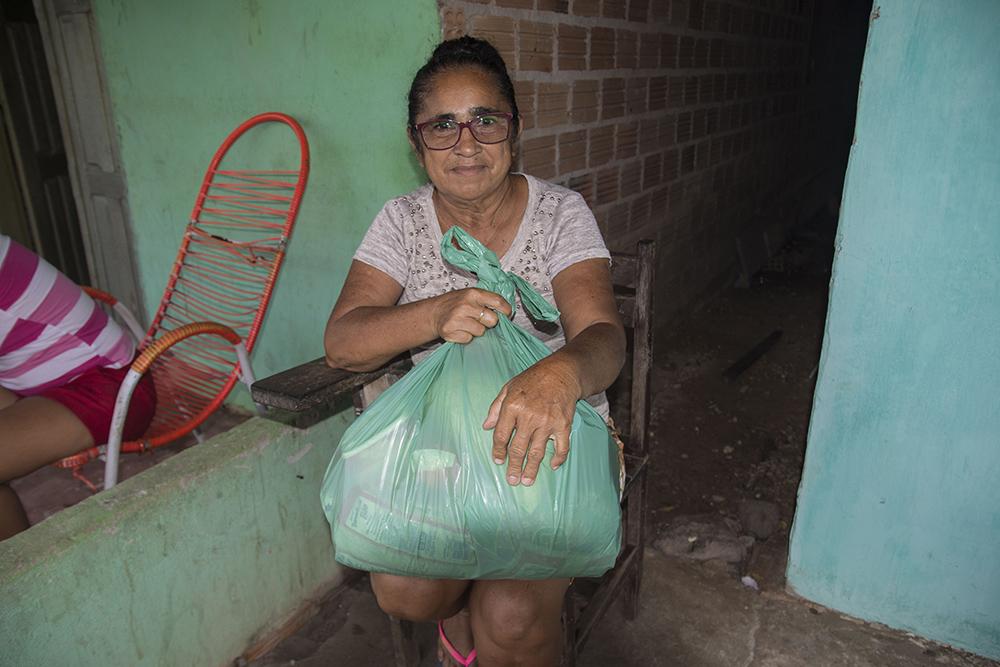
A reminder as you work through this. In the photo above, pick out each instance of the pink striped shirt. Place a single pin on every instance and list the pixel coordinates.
(50, 330)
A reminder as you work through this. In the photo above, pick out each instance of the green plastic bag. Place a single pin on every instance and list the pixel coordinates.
(413, 490)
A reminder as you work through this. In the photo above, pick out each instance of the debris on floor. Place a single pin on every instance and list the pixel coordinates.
(705, 538)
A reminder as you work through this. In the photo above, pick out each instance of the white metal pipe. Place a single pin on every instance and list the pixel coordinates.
(118, 426)
(246, 372)
(129, 319)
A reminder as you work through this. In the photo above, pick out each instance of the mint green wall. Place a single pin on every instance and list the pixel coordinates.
(183, 74)
(898, 517)
(187, 563)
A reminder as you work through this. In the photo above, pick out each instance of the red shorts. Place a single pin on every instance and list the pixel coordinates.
(91, 397)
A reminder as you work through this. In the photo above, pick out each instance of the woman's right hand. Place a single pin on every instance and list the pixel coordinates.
(464, 314)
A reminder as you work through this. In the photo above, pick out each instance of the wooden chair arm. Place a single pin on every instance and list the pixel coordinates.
(314, 384)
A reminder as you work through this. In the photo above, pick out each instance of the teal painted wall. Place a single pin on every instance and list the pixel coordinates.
(183, 74)
(187, 563)
(898, 518)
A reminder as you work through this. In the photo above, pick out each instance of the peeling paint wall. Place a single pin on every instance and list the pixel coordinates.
(183, 74)
(184, 564)
(898, 518)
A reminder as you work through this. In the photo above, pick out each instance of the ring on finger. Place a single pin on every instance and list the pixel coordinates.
(481, 313)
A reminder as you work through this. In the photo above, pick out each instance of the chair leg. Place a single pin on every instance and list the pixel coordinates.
(404, 642)
(630, 599)
(78, 475)
(636, 534)
(117, 427)
(569, 631)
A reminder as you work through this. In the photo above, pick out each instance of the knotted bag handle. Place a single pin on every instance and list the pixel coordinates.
(461, 249)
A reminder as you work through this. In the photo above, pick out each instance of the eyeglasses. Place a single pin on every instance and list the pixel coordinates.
(441, 134)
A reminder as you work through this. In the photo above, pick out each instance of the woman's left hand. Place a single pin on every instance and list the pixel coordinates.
(534, 407)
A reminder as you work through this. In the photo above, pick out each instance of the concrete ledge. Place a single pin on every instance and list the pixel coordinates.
(183, 564)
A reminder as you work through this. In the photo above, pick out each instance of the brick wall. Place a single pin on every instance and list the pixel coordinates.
(676, 119)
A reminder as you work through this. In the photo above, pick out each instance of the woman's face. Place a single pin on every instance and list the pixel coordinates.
(469, 171)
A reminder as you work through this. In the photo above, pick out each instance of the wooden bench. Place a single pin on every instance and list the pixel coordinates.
(314, 391)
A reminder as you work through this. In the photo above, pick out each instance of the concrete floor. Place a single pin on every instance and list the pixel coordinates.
(692, 615)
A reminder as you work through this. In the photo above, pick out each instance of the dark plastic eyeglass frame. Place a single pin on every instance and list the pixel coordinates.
(419, 127)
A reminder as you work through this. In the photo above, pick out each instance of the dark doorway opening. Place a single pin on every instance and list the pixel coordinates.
(37, 206)
(735, 378)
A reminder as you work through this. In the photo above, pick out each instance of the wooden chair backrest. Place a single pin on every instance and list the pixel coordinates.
(632, 279)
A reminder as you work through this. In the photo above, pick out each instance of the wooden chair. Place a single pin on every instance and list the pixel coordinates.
(218, 291)
(314, 391)
(588, 599)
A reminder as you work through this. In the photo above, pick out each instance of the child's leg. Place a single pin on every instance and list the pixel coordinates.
(34, 432)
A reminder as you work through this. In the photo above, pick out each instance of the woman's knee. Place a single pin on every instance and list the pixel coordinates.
(416, 599)
(517, 614)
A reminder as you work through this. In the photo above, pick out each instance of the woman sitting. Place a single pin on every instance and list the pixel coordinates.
(400, 295)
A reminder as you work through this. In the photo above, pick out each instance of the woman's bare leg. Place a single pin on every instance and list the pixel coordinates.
(416, 599)
(518, 622)
(33, 432)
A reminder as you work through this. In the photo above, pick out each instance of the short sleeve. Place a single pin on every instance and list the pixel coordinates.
(574, 235)
(383, 246)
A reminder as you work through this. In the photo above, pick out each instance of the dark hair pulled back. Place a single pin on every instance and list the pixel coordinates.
(455, 54)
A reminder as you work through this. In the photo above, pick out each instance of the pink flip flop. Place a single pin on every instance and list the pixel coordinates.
(464, 660)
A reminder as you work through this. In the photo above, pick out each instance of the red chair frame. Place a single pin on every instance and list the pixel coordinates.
(218, 292)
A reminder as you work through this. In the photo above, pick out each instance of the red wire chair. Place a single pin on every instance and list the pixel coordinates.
(198, 344)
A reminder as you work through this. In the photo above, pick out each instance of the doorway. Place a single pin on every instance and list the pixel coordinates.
(63, 145)
(37, 207)
(735, 379)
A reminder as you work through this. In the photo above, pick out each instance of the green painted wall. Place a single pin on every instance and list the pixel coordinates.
(183, 74)
(898, 518)
(184, 564)
(191, 561)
